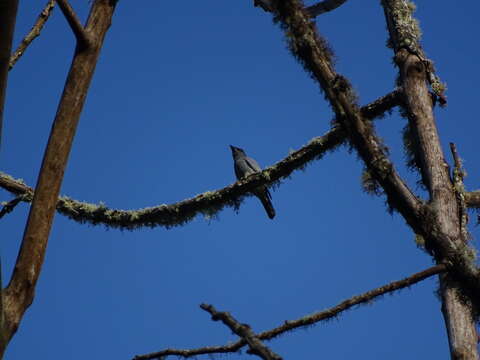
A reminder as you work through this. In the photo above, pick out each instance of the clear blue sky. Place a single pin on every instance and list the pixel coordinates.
(177, 82)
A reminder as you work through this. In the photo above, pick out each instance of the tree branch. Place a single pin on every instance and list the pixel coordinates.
(34, 33)
(459, 189)
(83, 37)
(244, 331)
(19, 293)
(9, 206)
(8, 16)
(315, 56)
(208, 203)
(443, 227)
(308, 320)
(323, 7)
(473, 199)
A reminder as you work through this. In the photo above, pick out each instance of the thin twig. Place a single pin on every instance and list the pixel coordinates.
(323, 7)
(209, 202)
(9, 206)
(459, 188)
(244, 331)
(304, 321)
(83, 38)
(33, 33)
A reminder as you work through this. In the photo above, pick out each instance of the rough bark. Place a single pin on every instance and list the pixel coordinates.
(8, 16)
(457, 313)
(82, 36)
(20, 291)
(442, 229)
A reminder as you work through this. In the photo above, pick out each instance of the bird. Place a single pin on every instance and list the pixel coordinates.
(245, 166)
(266, 5)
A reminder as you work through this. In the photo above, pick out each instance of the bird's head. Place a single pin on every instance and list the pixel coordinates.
(237, 151)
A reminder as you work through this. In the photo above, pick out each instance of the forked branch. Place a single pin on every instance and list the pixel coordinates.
(19, 293)
(314, 54)
(244, 331)
(308, 320)
(81, 34)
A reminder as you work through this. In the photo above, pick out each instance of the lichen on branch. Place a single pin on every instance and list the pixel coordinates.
(211, 202)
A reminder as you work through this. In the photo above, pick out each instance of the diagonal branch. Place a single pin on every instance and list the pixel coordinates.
(83, 37)
(315, 55)
(19, 293)
(34, 33)
(308, 320)
(9, 206)
(244, 331)
(208, 203)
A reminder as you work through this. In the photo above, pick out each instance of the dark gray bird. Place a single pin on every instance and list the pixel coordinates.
(264, 4)
(245, 166)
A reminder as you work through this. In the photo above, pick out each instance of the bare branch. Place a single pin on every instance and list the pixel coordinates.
(8, 16)
(306, 320)
(323, 7)
(19, 293)
(10, 205)
(34, 33)
(244, 331)
(210, 202)
(83, 37)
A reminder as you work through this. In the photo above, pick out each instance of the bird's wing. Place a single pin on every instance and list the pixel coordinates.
(252, 164)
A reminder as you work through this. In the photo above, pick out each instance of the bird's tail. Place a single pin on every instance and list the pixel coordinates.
(265, 198)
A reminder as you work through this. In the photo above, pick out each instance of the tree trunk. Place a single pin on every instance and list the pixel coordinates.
(20, 291)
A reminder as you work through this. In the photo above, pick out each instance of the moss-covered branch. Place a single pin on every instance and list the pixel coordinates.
(308, 320)
(210, 202)
(473, 199)
(312, 51)
(443, 226)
